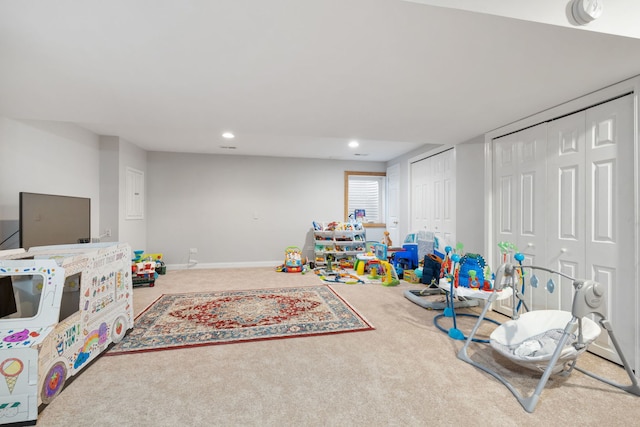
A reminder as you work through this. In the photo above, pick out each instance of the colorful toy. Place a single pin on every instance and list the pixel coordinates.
(348, 279)
(380, 251)
(390, 276)
(293, 260)
(145, 268)
(66, 305)
(143, 273)
(407, 259)
(463, 275)
(446, 267)
(364, 262)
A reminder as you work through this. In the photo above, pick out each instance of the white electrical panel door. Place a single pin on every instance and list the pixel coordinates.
(134, 194)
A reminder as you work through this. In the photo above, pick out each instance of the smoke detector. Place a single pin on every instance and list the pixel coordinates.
(586, 11)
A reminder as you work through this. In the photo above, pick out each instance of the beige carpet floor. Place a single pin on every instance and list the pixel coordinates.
(404, 373)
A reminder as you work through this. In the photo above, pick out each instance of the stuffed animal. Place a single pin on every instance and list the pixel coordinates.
(386, 240)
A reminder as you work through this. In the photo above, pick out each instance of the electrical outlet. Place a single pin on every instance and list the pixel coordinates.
(193, 250)
(108, 232)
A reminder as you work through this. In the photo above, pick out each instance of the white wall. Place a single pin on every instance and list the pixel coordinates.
(240, 209)
(233, 209)
(46, 157)
(470, 209)
(109, 187)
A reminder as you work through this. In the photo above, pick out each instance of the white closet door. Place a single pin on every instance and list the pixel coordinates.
(519, 182)
(610, 217)
(566, 208)
(444, 190)
(582, 222)
(420, 196)
(433, 196)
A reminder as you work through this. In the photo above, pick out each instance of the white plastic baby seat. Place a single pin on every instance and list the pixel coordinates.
(531, 339)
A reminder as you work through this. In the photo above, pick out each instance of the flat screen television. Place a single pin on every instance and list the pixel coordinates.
(48, 219)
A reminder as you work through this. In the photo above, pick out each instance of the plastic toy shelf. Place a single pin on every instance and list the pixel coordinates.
(338, 242)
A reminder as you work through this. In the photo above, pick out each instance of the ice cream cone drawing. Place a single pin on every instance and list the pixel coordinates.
(11, 368)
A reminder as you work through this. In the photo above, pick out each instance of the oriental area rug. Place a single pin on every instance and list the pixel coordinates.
(207, 318)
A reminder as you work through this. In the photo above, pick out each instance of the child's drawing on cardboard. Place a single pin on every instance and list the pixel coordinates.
(60, 307)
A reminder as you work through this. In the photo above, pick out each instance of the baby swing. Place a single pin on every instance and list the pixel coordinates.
(547, 340)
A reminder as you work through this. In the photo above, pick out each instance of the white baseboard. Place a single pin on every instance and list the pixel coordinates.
(200, 265)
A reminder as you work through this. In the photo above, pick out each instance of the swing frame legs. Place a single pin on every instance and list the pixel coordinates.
(529, 402)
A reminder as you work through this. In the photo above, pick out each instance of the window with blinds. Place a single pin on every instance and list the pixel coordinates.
(366, 192)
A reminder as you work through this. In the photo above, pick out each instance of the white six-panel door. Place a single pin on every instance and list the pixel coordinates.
(564, 195)
(433, 196)
(519, 182)
(566, 204)
(610, 216)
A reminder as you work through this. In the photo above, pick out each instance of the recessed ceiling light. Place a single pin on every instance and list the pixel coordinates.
(228, 135)
(353, 143)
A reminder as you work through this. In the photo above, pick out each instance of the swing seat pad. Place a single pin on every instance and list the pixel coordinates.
(531, 339)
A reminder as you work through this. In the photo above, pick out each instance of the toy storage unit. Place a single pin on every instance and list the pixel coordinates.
(339, 242)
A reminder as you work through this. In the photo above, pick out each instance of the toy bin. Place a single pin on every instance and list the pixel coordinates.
(411, 276)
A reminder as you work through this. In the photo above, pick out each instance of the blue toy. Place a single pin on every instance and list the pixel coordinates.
(407, 259)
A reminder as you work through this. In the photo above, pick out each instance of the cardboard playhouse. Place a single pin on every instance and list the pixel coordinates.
(60, 307)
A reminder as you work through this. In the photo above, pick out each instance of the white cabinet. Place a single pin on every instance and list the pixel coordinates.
(338, 241)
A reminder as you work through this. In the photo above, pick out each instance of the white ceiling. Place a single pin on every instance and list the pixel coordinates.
(293, 77)
(619, 17)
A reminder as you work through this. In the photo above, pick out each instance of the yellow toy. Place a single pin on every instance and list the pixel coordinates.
(390, 275)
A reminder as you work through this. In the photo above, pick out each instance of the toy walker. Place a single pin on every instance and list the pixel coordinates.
(293, 260)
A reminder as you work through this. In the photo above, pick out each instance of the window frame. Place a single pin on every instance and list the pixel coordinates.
(348, 174)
